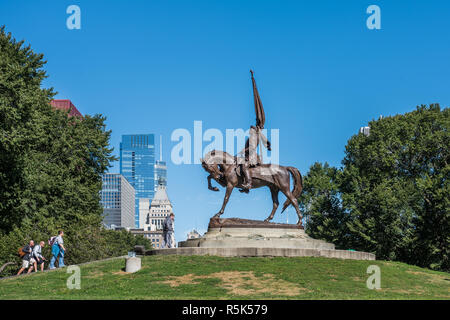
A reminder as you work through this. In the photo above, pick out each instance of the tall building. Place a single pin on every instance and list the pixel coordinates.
(117, 199)
(160, 168)
(137, 165)
(144, 207)
(160, 208)
(66, 105)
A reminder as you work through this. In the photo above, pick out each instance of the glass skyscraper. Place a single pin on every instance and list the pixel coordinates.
(137, 165)
(160, 173)
(160, 169)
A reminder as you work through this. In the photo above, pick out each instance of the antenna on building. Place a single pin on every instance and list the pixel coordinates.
(160, 147)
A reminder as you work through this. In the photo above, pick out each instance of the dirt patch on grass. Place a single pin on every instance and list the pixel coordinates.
(121, 273)
(186, 279)
(95, 274)
(417, 290)
(242, 283)
(433, 278)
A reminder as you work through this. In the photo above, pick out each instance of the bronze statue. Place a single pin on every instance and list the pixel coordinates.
(249, 172)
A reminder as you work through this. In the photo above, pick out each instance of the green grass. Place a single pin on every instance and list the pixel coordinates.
(209, 277)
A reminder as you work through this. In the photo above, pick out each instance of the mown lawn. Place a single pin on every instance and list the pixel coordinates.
(209, 277)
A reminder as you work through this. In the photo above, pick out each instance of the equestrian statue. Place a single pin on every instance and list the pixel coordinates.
(247, 171)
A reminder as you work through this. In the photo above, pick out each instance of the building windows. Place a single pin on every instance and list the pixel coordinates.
(137, 159)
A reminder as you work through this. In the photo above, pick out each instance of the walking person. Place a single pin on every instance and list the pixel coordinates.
(58, 250)
(168, 236)
(26, 253)
(38, 257)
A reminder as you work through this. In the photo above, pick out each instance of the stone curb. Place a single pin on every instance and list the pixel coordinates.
(264, 252)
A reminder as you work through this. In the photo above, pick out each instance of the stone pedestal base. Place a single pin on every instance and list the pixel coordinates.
(242, 233)
(241, 237)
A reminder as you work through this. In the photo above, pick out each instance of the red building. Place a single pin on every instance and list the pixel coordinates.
(67, 105)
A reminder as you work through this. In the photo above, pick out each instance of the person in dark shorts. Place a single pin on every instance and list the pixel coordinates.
(27, 260)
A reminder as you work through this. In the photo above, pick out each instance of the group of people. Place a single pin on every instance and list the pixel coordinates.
(32, 257)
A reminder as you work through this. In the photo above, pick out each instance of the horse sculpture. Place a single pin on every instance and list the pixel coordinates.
(224, 169)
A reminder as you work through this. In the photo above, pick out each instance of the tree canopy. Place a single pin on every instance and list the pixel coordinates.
(391, 195)
(50, 163)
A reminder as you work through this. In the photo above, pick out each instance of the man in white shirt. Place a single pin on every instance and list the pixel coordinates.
(37, 255)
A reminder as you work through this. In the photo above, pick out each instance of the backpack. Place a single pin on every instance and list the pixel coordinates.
(21, 253)
(51, 241)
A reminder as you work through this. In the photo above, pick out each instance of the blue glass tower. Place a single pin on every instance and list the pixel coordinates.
(160, 169)
(137, 165)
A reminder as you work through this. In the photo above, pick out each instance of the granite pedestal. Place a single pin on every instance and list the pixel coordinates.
(242, 237)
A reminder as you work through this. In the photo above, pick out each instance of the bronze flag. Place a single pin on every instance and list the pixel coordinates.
(259, 110)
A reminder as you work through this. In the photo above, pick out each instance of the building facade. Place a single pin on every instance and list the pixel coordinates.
(160, 168)
(117, 200)
(155, 236)
(194, 234)
(66, 105)
(137, 165)
(365, 131)
(160, 173)
(144, 208)
(160, 208)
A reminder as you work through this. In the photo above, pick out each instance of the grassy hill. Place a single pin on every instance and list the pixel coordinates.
(208, 277)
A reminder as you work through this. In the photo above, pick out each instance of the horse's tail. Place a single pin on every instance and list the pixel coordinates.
(298, 185)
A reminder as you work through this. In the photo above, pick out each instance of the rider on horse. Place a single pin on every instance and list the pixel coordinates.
(251, 158)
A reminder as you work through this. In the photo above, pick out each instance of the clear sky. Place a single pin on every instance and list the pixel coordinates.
(155, 66)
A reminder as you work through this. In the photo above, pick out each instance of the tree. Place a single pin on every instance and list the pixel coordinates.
(50, 163)
(321, 200)
(393, 188)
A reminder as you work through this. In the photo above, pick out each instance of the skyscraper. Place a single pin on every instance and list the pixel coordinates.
(160, 169)
(137, 165)
(160, 208)
(117, 199)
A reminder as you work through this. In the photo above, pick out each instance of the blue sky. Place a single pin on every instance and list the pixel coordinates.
(155, 66)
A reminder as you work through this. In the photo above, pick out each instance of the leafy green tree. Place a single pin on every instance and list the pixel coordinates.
(392, 191)
(22, 103)
(50, 164)
(321, 200)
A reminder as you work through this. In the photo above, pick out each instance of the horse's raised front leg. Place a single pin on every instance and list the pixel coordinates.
(274, 191)
(210, 187)
(225, 200)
